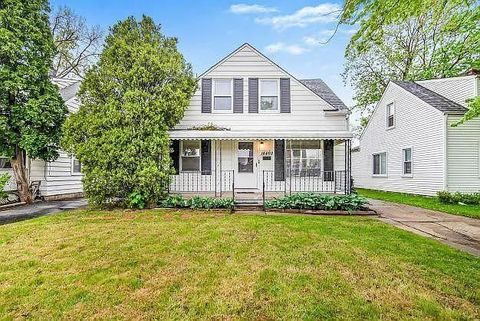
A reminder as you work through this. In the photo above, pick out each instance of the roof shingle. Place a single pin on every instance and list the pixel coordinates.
(320, 88)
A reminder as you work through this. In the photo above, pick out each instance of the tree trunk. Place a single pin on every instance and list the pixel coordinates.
(19, 171)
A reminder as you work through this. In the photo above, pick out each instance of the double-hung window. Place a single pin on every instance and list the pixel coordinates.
(407, 161)
(76, 166)
(191, 156)
(380, 164)
(268, 95)
(390, 115)
(222, 95)
(304, 157)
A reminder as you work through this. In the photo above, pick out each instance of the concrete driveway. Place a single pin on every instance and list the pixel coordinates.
(25, 212)
(460, 232)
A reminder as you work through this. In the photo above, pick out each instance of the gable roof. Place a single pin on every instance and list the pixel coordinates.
(432, 98)
(247, 45)
(319, 87)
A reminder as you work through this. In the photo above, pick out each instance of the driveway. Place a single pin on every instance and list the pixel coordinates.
(460, 232)
(25, 212)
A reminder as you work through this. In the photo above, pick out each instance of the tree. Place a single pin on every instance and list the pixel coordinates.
(408, 40)
(138, 90)
(77, 45)
(31, 109)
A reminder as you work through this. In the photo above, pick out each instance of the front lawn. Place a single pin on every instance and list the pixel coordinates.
(431, 203)
(197, 265)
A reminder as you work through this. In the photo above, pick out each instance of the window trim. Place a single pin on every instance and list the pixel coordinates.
(260, 110)
(393, 115)
(289, 157)
(72, 167)
(220, 111)
(411, 162)
(180, 165)
(386, 165)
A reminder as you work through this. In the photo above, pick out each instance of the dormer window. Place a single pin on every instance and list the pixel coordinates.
(222, 95)
(269, 95)
(390, 115)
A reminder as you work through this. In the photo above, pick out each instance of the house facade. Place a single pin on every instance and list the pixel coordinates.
(252, 127)
(410, 145)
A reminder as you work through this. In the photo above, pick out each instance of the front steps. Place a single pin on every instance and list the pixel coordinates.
(248, 205)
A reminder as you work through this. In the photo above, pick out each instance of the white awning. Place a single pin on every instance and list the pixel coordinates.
(253, 135)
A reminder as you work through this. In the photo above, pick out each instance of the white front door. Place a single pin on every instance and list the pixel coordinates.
(246, 171)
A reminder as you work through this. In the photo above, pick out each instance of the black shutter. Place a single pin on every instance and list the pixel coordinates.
(328, 160)
(238, 95)
(285, 95)
(206, 155)
(206, 95)
(253, 95)
(279, 149)
(175, 155)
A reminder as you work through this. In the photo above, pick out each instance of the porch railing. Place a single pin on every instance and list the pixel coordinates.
(216, 183)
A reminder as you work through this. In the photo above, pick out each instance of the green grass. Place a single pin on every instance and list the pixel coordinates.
(431, 203)
(204, 265)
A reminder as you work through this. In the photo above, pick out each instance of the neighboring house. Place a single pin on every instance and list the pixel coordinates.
(409, 144)
(61, 178)
(251, 126)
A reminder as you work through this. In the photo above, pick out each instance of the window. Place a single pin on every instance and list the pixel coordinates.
(5, 163)
(190, 156)
(268, 95)
(76, 166)
(390, 115)
(380, 164)
(407, 161)
(245, 157)
(222, 95)
(304, 157)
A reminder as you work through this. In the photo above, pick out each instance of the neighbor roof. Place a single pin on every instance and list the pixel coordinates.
(438, 101)
(320, 88)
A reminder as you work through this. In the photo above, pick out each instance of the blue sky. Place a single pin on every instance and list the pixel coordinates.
(286, 31)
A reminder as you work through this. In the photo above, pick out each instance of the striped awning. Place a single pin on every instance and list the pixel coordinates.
(253, 135)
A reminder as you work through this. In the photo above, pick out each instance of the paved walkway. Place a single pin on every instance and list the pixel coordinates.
(25, 212)
(460, 232)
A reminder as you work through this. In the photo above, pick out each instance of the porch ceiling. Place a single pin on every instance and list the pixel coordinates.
(252, 135)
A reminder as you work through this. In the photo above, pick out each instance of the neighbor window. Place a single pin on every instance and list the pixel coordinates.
(5, 162)
(304, 157)
(76, 166)
(390, 115)
(380, 164)
(268, 95)
(222, 94)
(407, 161)
(191, 155)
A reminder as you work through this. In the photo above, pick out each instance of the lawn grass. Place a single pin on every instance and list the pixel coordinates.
(431, 203)
(182, 265)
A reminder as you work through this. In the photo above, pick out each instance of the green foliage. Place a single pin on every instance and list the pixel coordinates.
(137, 200)
(138, 91)
(473, 111)
(4, 178)
(31, 109)
(459, 198)
(196, 202)
(408, 40)
(314, 201)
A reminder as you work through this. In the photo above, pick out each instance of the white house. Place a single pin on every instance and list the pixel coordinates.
(409, 144)
(252, 126)
(61, 178)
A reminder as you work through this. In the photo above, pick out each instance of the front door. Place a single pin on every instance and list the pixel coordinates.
(246, 166)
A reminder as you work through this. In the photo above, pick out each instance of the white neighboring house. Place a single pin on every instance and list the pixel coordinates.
(252, 126)
(61, 178)
(409, 144)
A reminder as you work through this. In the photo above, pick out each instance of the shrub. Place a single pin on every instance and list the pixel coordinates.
(318, 202)
(197, 202)
(4, 178)
(455, 198)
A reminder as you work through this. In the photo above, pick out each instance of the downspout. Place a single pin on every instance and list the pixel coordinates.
(445, 153)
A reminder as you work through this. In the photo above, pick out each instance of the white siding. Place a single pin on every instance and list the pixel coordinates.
(59, 177)
(417, 125)
(307, 109)
(463, 150)
(457, 89)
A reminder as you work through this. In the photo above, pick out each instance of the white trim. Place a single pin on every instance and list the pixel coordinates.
(373, 165)
(411, 162)
(72, 159)
(275, 111)
(180, 161)
(220, 111)
(478, 158)
(387, 114)
(253, 135)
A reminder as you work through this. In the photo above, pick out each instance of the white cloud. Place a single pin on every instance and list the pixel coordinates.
(243, 8)
(323, 13)
(282, 47)
(323, 36)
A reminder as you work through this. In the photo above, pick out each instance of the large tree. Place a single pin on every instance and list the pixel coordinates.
(138, 90)
(31, 109)
(408, 40)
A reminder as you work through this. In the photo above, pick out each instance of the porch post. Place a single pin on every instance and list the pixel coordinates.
(346, 166)
(214, 143)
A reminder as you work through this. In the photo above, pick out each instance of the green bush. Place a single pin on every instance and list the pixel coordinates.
(313, 201)
(456, 198)
(197, 202)
(4, 178)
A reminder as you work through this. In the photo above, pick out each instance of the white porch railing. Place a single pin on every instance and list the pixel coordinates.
(217, 182)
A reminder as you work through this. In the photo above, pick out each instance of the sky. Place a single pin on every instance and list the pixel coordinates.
(288, 32)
